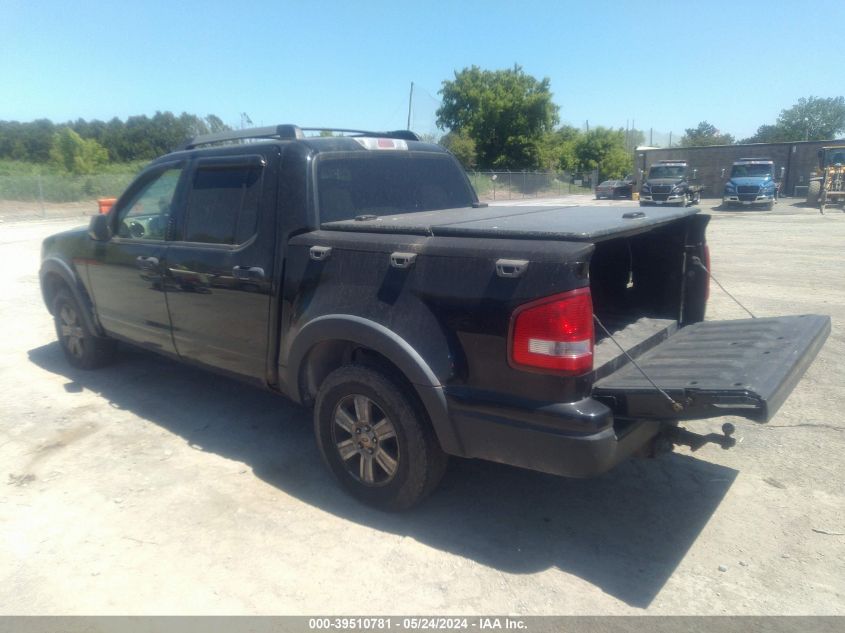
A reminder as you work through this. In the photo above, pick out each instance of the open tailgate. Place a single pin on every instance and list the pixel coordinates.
(746, 368)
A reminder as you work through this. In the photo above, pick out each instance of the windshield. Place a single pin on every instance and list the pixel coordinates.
(666, 171)
(389, 183)
(754, 171)
(834, 157)
(608, 183)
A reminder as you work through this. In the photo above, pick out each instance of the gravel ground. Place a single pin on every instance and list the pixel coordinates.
(153, 488)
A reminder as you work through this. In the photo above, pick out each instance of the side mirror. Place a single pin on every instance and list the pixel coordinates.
(99, 229)
(723, 172)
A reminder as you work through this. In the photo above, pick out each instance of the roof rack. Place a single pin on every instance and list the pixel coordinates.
(288, 132)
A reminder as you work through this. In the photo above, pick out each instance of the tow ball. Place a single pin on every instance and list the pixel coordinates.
(681, 436)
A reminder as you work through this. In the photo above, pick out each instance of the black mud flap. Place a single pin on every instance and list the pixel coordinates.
(745, 368)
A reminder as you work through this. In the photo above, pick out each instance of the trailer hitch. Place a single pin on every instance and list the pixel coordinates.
(681, 436)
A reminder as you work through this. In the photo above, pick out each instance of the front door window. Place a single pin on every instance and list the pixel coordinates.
(147, 214)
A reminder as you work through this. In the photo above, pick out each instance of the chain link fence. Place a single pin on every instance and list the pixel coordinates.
(519, 185)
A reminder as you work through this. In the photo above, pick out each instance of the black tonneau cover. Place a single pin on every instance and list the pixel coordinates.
(570, 223)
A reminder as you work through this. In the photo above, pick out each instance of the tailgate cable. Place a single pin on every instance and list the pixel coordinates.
(697, 262)
(676, 406)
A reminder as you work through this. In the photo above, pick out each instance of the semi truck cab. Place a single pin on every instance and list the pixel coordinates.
(752, 182)
(670, 182)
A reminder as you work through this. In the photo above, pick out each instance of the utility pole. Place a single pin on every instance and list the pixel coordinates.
(651, 137)
(670, 139)
(410, 101)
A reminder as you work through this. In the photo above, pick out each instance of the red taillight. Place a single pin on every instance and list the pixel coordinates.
(554, 334)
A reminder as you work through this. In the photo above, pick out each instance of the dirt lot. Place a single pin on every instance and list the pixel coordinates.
(152, 488)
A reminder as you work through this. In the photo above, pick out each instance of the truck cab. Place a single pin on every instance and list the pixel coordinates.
(670, 182)
(752, 182)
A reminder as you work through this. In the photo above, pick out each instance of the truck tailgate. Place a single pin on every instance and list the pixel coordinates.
(746, 368)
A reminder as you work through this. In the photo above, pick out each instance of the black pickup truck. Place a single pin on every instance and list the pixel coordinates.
(360, 276)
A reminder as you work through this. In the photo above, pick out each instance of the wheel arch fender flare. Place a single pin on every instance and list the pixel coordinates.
(54, 266)
(381, 339)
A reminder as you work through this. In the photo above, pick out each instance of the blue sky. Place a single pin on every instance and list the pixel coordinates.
(666, 65)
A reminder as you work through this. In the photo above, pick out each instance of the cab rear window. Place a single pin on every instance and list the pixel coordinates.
(388, 184)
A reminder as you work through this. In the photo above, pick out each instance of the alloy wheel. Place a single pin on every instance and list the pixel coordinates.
(366, 441)
(73, 336)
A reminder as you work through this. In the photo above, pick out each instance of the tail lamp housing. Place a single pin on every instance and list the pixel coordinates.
(554, 334)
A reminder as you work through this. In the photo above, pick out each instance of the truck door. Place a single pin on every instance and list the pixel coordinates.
(220, 264)
(126, 271)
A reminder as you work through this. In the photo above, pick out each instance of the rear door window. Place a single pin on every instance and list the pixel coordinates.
(223, 200)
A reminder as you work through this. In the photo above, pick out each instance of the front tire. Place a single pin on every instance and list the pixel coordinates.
(81, 347)
(814, 190)
(376, 439)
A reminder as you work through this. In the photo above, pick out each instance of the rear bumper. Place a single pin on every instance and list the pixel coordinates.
(746, 368)
(547, 438)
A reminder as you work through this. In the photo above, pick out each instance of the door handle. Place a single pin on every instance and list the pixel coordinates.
(146, 262)
(248, 273)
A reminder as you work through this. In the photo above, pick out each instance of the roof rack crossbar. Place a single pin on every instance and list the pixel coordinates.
(284, 132)
(288, 132)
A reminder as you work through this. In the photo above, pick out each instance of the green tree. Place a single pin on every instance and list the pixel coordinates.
(139, 138)
(505, 112)
(557, 149)
(813, 119)
(26, 141)
(215, 124)
(462, 146)
(768, 134)
(705, 134)
(75, 154)
(603, 149)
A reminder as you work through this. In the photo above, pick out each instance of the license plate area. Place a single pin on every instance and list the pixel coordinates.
(746, 367)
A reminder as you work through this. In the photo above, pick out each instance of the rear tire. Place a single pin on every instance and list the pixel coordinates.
(376, 439)
(82, 347)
